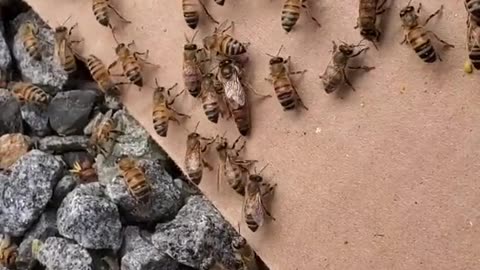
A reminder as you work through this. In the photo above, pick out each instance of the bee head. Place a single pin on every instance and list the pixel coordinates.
(256, 178)
(369, 34)
(120, 158)
(406, 10)
(408, 16)
(346, 49)
(190, 47)
(121, 47)
(61, 29)
(276, 60)
(239, 243)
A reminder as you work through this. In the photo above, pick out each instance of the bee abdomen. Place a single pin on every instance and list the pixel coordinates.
(195, 176)
(473, 7)
(135, 76)
(32, 47)
(474, 56)
(160, 122)
(285, 95)
(70, 64)
(190, 13)
(35, 94)
(231, 46)
(8, 255)
(242, 120)
(100, 10)
(212, 111)
(251, 223)
(426, 51)
(290, 15)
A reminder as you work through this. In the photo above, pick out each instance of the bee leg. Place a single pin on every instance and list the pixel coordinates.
(380, 8)
(235, 144)
(345, 78)
(179, 113)
(445, 44)
(247, 85)
(359, 52)
(219, 172)
(299, 99)
(208, 13)
(205, 163)
(298, 72)
(419, 7)
(307, 9)
(433, 15)
(269, 189)
(404, 40)
(366, 68)
(112, 65)
(118, 14)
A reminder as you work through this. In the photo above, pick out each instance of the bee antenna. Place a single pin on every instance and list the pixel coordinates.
(186, 38)
(279, 50)
(272, 56)
(156, 83)
(196, 126)
(263, 168)
(68, 18)
(409, 2)
(114, 36)
(194, 35)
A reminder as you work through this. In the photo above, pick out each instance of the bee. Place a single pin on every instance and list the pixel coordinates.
(231, 167)
(135, 180)
(100, 10)
(291, 13)
(282, 84)
(192, 73)
(254, 209)
(244, 253)
(417, 36)
(162, 110)
(85, 171)
(473, 43)
(224, 44)
(335, 73)
(210, 99)
(101, 75)
(28, 32)
(220, 2)
(191, 12)
(194, 161)
(27, 92)
(130, 62)
(8, 251)
(367, 19)
(473, 9)
(64, 53)
(103, 133)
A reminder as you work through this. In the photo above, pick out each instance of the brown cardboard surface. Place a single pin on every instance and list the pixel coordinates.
(382, 178)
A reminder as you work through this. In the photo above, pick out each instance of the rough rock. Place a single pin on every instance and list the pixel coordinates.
(165, 199)
(89, 218)
(139, 253)
(197, 236)
(46, 72)
(69, 111)
(12, 147)
(28, 190)
(44, 228)
(91, 125)
(5, 58)
(60, 254)
(59, 145)
(10, 116)
(36, 118)
(79, 156)
(64, 186)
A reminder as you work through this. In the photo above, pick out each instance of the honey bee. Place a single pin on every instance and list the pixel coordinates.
(135, 180)
(335, 74)
(417, 36)
(191, 12)
(28, 32)
(64, 53)
(103, 133)
(26, 92)
(254, 208)
(130, 62)
(473, 43)
(8, 251)
(282, 84)
(231, 167)
(224, 44)
(291, 13)
(100, 10)
(194, 161)
(367, 19)
(210, 99)
(244, 254)
(192, 73)
(85, 171)
(162, 110)
(102, 76)
(473, 9)
(220, 2)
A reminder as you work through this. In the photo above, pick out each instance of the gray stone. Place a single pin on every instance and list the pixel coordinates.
(197, 236)
(45, 227)
(46, 72)
(64, 186)
(89, 218)
(60, 254)
(10, 116)
(69, 111)
(165, 199)
(5, 58)
(113, 102)
(59, 145)
(92, 124)
(36, 118)
(28, 190)
(133, 238)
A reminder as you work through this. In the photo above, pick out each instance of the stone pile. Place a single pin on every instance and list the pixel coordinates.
(58, 222)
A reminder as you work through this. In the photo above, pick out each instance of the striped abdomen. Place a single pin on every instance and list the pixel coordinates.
(367, 13)
(100, 74)
(30, 43)
(32, 93)
(137, 185)
(285, 93)
(251, 223)
(473, 8)
(242, 119)
(290, 14)
(160, 119)
(230, 46)
(190, 12)
(332, 78)
(210, 105)
(69, 63)
(131, 70)
(8, 254)
(235, 178)
(192, 77)
(418, 39)
(100, 10)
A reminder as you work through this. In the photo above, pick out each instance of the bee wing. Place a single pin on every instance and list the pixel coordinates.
(234, 92)
(193, 159)
(60, 49)
(253, 206)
